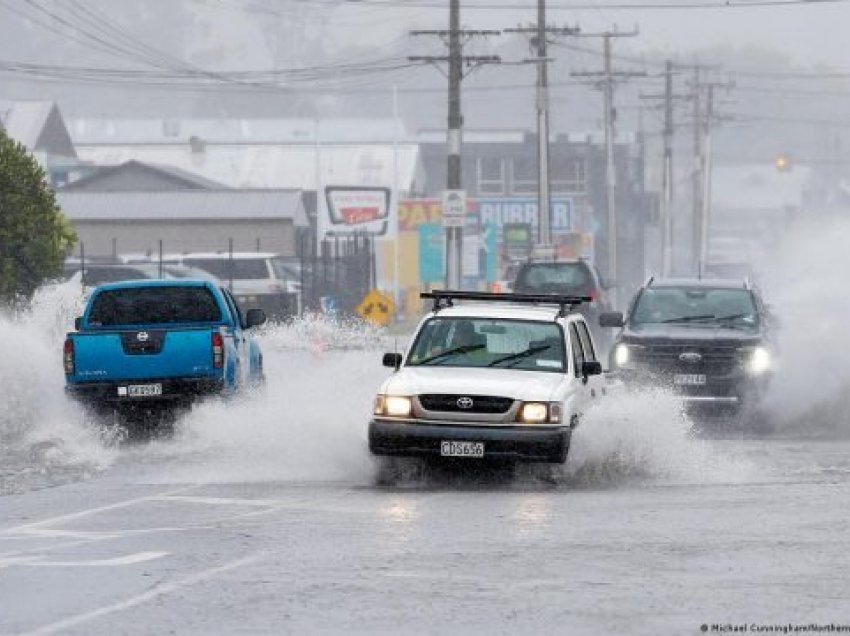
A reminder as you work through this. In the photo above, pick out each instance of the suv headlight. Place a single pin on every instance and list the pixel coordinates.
(759, 361)
(624, 356)
(394, 405)
(540, 413)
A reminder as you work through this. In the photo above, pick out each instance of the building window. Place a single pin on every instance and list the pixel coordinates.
(567, 175)
(491, 175)
(524, 175)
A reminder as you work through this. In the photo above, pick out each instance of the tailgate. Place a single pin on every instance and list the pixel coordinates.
(105, 356)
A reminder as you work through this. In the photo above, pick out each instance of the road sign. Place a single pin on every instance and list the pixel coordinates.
(356, 210)
(454, 208)
(377, 308)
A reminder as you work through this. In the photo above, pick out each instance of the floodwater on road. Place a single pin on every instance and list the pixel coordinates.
(264, 516)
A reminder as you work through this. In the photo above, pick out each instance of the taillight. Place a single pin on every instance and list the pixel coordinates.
(68, 357)
(218, 350)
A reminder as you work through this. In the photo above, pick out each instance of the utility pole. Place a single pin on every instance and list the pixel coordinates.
(708, 123)
(667, 175)
(667, 99)
(539, 33)
(697, 177)
(454, 38)
(544, 198)
(608, 79)
(454, 235)
(705, 212)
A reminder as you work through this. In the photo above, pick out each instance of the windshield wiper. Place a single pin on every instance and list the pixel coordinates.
(519, 356)
(452, 352)
(733, 316)
(690, 318)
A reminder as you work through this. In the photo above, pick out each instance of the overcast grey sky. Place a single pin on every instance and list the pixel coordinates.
(812, 34)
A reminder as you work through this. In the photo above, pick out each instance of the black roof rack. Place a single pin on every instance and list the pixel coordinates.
(446, 298)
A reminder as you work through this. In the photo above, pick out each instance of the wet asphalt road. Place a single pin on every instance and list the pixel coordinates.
(128, 553)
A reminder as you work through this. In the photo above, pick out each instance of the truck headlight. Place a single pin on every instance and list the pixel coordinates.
(395, 405)
(759, 361)
(540, 412)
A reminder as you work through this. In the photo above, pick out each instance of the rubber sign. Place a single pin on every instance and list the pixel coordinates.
(361, 210)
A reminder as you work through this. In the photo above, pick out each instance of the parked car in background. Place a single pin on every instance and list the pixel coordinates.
(87, 276)
(260, 280)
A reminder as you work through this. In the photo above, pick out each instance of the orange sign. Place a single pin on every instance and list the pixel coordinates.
(415, 212)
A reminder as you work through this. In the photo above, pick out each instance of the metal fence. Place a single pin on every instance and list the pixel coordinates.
(337, 273)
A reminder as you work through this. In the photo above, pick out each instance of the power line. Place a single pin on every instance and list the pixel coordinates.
(594, 6)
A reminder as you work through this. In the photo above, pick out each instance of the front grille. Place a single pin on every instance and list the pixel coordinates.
(714, 360)
(480, 403)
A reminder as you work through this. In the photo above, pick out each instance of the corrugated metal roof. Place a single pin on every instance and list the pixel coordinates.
(184, 205)
(276, 166)
(184, 178)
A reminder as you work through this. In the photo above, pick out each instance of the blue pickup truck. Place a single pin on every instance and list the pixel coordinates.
(160, 343)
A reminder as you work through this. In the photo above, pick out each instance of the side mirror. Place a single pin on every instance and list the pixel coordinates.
(392, 360)
(254, 318)
(78, 323)
(612, 319)
(591, 368)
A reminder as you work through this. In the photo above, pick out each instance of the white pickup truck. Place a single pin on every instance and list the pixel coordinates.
(495, 376)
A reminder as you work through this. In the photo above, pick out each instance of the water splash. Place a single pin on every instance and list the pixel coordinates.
(308, 423)
(44, 438)
(804, 280)
(641, 436)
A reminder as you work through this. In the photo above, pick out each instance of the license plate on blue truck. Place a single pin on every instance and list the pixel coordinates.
(140, 390)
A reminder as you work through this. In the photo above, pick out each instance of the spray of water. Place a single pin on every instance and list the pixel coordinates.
(308, 423)
(44, 438)
(805, 281)
(646, 436)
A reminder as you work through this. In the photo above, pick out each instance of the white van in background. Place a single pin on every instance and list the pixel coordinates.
(261, 280)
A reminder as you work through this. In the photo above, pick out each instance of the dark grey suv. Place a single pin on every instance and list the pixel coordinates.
(709, 341)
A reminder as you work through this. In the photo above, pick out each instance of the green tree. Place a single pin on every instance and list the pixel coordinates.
(34, 234)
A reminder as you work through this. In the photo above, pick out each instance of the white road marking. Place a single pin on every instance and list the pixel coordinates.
(21, 560)
(36, 527)
(70, 534)
(217, 501)
(133, 601)
(130, 559)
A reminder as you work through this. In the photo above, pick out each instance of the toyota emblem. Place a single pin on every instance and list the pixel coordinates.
(691, 356)
(465, 403)
(142, 336)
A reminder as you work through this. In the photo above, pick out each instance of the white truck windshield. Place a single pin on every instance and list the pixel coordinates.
(478, 342)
